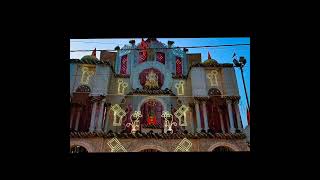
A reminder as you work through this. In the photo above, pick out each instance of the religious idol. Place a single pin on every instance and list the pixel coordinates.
(152, 80)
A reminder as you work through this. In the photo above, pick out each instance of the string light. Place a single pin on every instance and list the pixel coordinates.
(116, 146)
(177, 47)
(184, 146)
(212, 76)
(181, 112)
(180, 88)
(117, 112)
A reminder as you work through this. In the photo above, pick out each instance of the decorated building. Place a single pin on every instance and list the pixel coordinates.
(153, 97)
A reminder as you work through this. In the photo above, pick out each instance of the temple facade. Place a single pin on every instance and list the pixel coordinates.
(153, 97)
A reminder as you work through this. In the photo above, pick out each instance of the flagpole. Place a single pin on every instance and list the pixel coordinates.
(241, 64)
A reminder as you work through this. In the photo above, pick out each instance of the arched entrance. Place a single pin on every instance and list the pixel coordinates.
(149, 150)
(151, 109)
(222, 149)
(217, 111)
(76, 149)
(80, 110)
(223, 146)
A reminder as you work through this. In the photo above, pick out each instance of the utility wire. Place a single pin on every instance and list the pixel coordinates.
(177, 47)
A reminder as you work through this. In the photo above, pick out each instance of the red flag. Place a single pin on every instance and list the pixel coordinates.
(248, 116)
(209, 57)
(94, 52)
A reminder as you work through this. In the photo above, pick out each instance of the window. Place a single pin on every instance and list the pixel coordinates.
(142, 56)
(161, 57)
(124, 64)
(178, 66)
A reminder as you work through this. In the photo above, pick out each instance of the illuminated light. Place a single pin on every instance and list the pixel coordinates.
(212, 76)
(181, 112)
(135, 123)
(180, 88)
(86, 75)
(116, 146)
(118, 114)
(184, 146)
(121, 86)
(167, 123)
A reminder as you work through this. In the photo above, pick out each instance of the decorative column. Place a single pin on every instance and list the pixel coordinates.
(100, 115)
(221, 120)
(78, 118)
(191, 120)
(205, 116)
(232, 129)
(93, 115)
(71, 116)
(198, 116)
(106, 121)
(236, 107)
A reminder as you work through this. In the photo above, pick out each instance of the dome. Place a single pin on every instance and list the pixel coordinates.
(210, 61)
(89, 58)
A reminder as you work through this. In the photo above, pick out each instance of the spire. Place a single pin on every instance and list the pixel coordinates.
(209, 57)
(94, 52)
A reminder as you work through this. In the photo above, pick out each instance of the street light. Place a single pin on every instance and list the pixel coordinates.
(240, 64)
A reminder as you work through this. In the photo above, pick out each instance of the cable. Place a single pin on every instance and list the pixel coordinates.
(177, 47)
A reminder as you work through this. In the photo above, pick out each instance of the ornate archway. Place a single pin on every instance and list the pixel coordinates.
(151, 108)
(88, 147)
(154, 148)
(219, 144)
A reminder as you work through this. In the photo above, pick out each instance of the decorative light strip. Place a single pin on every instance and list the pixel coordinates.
(121, 86)
(116, 146)
(180, 88)
(184, 146)
(212, 76)
(86, 74)
(181, 112)
(117, 112)
(167, 123)
(135, 123)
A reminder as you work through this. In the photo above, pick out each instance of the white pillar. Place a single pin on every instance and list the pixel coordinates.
(78, 118)
(221, 120)
(100, 115)
(106, 121)
(198, 117)
(191, 120)
(205, 117)
(93, 115)
(71, 116)
(236, 107)
(232, 129)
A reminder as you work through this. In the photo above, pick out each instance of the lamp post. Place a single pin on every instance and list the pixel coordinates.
(241, 64)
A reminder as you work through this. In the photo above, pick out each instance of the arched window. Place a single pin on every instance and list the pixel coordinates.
(214, 92)
(222, 149)
(83, 88)
(161, 57)
(178, 66)
(78, 150)
(124, 64)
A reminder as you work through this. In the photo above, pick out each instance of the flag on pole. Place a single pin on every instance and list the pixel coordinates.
(209, 57)
(94, 52)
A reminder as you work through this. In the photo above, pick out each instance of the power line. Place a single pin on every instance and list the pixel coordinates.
(177, 47)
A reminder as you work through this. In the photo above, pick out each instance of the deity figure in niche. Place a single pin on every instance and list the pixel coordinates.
(152, 80)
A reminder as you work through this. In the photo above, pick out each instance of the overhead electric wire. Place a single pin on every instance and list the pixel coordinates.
(176, 47)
